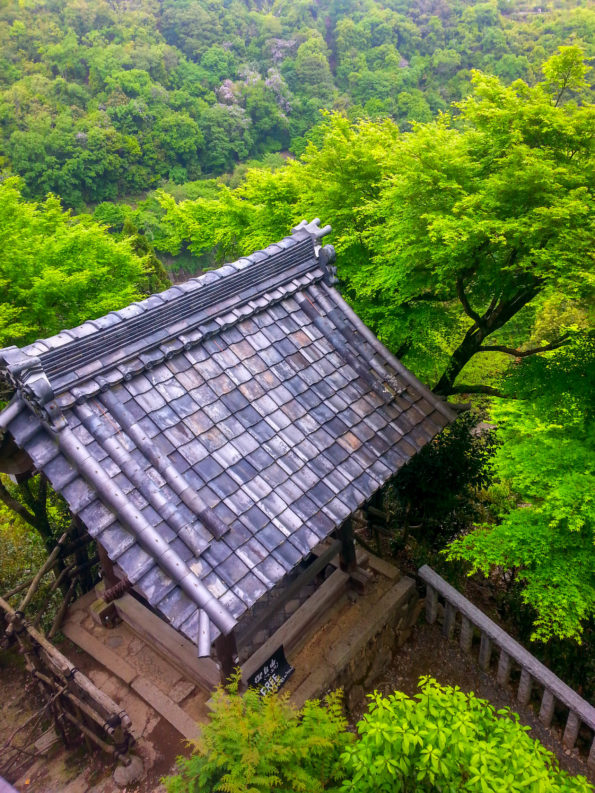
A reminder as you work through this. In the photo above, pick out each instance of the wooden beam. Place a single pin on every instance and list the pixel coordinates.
(227, 655)
(107, 567)
(348, 558)
(168, 642)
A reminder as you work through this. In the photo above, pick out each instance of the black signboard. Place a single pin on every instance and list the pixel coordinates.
(272, 674)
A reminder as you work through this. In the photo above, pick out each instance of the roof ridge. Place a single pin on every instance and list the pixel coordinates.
(200, 295)
(124, 343)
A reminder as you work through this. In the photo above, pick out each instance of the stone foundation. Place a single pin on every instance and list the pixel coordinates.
(359, 641)
(375, 650)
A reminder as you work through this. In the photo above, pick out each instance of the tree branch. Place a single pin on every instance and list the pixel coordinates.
(474, 389)
(425, 296)
(493, 304)
(466, 305)
(524, 353)
(16, 506)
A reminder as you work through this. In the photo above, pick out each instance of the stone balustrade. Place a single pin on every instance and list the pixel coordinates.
(496, 644)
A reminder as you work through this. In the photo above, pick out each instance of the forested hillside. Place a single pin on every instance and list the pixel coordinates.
(102, 100)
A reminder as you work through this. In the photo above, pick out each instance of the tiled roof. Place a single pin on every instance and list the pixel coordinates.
(210, 436)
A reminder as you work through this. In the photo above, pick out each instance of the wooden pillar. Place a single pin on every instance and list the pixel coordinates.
(81, 555)
(347, 554)
(107, 568)
(226, 652)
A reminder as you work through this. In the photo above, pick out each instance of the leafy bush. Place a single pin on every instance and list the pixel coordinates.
(257, 744)
(446, 740)
(543, 534)
(437, 489)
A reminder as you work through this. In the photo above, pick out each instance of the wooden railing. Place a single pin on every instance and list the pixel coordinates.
(534, 676)
(70, 698)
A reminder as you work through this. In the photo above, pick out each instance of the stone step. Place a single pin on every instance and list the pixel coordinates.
(118, 666)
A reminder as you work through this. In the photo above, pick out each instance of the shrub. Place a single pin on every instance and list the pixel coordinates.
(255, 744)
(438, 488)
(449, 741)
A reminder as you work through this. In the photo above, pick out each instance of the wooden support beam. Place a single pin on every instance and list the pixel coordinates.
(348, 559)
(226, 652)
(107, 567)
(178, 651)
(376, 513)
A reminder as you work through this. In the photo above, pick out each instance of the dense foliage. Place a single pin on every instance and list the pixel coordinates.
(100, 100)
(22, 553)
(255, 744)
(30, 504)
(544, 530)
(436, 496)
(443, 739)
(57, 270)
(466, 228)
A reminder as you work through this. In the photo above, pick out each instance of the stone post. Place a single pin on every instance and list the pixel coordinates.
(546, 712)
(503, 673)
(525, 685)
(591, 758)
(431, 604)
(573, 724)
(485, 652)
(448, 625)
(466, 634)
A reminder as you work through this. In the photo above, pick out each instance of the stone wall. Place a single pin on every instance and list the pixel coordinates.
(359, 658)
(376, 649)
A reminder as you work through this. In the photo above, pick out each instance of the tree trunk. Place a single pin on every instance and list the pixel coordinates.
(495, 317)
(459, 359)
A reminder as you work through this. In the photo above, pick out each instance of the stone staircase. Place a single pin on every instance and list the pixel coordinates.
(135, 668)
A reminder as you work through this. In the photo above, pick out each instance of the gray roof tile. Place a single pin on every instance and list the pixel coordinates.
(116, 540)
(286, 555)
